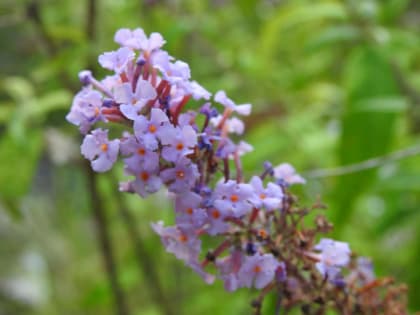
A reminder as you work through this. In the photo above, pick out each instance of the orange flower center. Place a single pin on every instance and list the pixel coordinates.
(104, 147)
(180, 174)
(152, 128)
(189, 211)
(215, 214)
(96, 111)
(262, 233)
(179, 146)
(234, 198)
(262, 196)
(183, 238)
(141, 151)
(144, 176)
(257, 269)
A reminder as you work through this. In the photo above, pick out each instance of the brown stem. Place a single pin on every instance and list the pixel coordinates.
(105, 242)
(144, 262)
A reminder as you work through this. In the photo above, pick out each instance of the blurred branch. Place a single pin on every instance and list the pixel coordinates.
(91, 19)
(105, 242)
(145, 263)
(411, 93)
(364, 165)
(33, 12)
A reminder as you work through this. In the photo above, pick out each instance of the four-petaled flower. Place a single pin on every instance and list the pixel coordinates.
(102, 152)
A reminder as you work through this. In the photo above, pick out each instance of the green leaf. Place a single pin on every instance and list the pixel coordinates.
(333, 35)
(372, 106)
(18, 161)
(291, 16)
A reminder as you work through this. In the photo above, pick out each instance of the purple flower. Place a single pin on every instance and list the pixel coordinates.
(243, 109)
(150, 130)
(182, 244)
(187, 206)
(117, 60)
(179, 143)
(139, 153)
(187, 119)
(86, 109)
(133, 102)
(332, 257)
(363, 273)
(137, 39)
(234, 198)
(216, 220)
(99, 150)
(229, 267)
(175, 72)
(198, 92)
(258, 270)
(286, 173)
(181, 177)
(147, 180)
(270, 197)
(232, 125)
(129, 38)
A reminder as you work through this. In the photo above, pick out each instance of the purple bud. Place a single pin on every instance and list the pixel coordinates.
(85, 77)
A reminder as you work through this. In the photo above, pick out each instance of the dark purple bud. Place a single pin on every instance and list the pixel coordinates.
(209, 111)
(268, 167)
(281, 274)
(85, 77)
(281, 182)
(250, 249)
(108, 102)
(141, 62)
(339, 282)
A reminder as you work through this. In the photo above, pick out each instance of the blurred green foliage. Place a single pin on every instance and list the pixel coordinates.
(332, 83)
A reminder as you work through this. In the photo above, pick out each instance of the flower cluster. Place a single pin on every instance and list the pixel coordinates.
(191, 153)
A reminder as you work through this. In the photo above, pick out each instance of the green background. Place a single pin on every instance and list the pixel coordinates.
(331, 83)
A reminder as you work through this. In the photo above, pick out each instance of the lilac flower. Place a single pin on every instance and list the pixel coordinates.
(234, 198)
(99, 150)
(117, 60)
(286, 173)
(175, 72)
(229, 267)
(187, 206)
(363, 273)
(150, 130)
(243, 109)
(333, 256)
(198, 92)
(226, 148)
(187, 119)
(181, 177)
(365, 269)
(182, 244)
(86, 109)
(258, 270)
(128, 38)
(232, 125)
(179, 143)
(215, 223)
(147, 180)
(270, 197)
(133, 102)
(139, 153)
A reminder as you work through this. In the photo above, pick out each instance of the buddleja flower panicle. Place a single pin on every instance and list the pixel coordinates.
(263, 242)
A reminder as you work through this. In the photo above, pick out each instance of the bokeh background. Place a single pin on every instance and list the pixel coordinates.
(332, 83)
